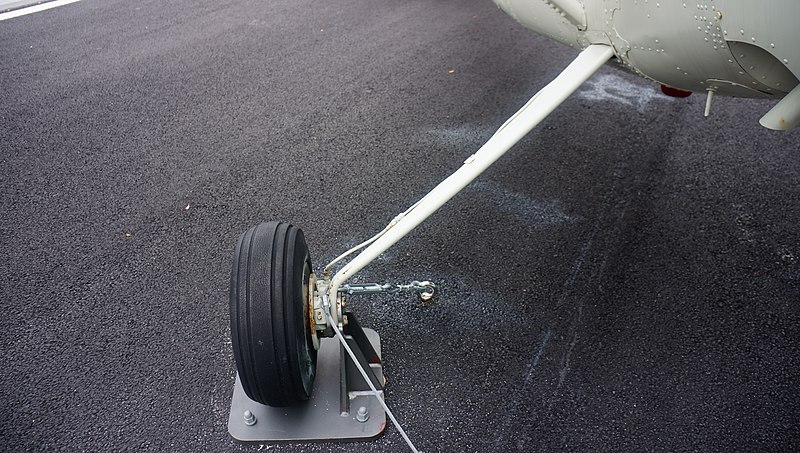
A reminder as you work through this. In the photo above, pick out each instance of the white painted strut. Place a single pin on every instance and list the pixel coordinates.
(785, 114)
(526, 118)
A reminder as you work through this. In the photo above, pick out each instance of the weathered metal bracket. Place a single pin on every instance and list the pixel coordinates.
(342, 407)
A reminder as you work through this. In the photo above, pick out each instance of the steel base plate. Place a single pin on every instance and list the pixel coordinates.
(319, 418)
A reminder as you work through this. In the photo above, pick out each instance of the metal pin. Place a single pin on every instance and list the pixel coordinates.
(708, 102)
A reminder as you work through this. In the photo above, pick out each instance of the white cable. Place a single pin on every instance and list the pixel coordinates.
(361, 245)
(379, 396)
(372, 239)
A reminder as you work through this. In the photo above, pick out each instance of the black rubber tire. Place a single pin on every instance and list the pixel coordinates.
(270, 327)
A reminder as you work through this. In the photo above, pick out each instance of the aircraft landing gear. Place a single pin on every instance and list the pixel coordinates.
(289, 383)
(279, 310)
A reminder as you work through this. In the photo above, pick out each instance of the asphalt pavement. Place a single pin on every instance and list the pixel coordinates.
(626, 278)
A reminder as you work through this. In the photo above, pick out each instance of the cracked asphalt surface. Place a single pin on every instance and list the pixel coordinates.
(627, 278)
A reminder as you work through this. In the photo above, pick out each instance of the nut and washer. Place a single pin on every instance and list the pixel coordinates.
(362, 415)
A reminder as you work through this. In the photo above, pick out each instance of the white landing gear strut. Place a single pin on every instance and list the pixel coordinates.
(323, 315)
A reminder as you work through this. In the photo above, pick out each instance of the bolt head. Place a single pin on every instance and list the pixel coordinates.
(362, 415)
(249, 418)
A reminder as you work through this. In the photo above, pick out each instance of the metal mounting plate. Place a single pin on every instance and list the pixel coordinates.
(320, 417)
